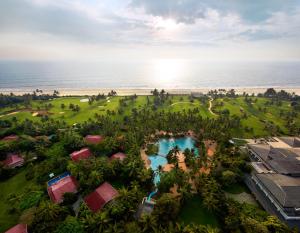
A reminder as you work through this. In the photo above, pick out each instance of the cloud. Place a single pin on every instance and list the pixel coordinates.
(71, 20)
(33, 25)
(188, 11)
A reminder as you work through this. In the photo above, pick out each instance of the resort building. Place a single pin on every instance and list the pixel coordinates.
(121, 156)
(81, 154)
(60, 185)
(20, 228)
(100, 197)
(275, 179)
(13, 161)
(93, 139)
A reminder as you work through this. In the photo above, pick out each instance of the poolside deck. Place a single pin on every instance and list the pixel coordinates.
(145, 158)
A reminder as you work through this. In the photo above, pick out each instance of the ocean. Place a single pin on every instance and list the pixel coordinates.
(161, 73)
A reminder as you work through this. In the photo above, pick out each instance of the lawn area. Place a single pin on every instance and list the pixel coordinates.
(56, 112)
(194, 212)
(15, 185)
(259, 113)
(178, 103)
(237, 188)
(256, 117)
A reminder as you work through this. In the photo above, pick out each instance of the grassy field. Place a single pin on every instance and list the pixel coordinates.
(256, 118)
(16, 185)
(194, 212)
(101, 107)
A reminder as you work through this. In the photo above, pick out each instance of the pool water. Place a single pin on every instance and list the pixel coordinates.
(164, 146)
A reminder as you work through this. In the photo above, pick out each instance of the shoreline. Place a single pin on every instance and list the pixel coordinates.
(147, 91)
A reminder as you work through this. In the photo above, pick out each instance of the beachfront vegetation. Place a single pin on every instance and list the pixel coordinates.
(127, 124)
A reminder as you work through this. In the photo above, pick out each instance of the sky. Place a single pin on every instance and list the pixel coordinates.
(210, 30)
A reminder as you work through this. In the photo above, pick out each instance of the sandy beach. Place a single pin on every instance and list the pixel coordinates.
(146, 91)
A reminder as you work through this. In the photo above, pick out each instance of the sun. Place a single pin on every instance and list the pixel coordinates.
(167, 72)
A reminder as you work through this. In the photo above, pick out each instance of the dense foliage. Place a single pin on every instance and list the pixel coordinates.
(47, 146)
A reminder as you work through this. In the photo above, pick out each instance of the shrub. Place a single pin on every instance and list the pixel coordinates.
(30, 199)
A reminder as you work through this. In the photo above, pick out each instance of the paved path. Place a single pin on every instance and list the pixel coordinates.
(8, 114)
(210, 106)
(242, 197)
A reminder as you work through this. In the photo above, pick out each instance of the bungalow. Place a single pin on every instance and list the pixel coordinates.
(10, 138)
(13, 161)
(100, 197)
(20, 228)
(57, 187)
(121, 156)
(81, 154)
(93, 139)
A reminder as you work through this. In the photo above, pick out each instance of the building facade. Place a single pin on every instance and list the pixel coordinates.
(275, 179)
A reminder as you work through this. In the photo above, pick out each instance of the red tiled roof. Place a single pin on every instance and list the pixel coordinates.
(13, 160)
(20, 228)
(93, 139)
(10, 138)
(102, 195)
(66, 185)
(121, 156)
(82, 154)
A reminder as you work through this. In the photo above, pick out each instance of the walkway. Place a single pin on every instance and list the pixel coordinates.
(242, 198)
(8, 114)
(210, 106)
(145, 158)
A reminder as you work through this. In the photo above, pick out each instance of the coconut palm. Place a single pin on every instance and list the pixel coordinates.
(148, 223)
(210, 229)
(185, 192)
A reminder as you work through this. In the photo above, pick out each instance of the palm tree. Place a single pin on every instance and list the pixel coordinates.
(185, 192)
(176, 150)
(148, 223)
(103, 221)
(48, 211)
(172, 156)
(124, 194)
(210, 229)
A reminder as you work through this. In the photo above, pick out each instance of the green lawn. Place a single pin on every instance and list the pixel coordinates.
(237, 188)
(15, 185)
(256, 118)
(178, 103)
(194, 212)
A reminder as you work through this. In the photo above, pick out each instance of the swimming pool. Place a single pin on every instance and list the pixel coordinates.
(164, 146)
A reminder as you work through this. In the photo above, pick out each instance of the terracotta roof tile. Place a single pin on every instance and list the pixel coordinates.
(20, 228)
(101, 196)
(81, 154)
(94, 139)
(121, 156)
(66, 185)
